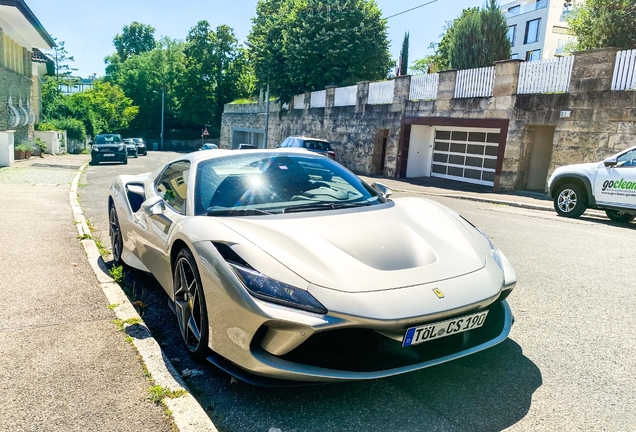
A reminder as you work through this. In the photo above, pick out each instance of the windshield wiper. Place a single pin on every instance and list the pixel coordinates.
(237, 212)
(324, 206)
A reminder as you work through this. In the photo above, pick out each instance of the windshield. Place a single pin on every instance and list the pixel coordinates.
(107, 139)
(264, 183)
(317, 145)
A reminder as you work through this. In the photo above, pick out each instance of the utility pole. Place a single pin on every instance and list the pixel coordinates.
(266, 115)
(163, 95)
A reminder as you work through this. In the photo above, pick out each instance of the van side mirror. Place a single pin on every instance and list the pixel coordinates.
(382, 190)
(610, 161)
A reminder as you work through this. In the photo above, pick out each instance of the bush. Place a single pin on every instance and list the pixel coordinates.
(74, 128)
(40, 145)
(23, 147)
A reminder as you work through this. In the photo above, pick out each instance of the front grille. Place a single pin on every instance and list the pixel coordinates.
(364, 350)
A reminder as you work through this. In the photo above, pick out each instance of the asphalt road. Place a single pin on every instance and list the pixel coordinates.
(569, 364)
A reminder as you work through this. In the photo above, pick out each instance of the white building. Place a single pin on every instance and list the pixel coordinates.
(537, 28)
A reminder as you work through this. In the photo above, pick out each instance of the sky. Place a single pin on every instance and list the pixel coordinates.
(88, 26)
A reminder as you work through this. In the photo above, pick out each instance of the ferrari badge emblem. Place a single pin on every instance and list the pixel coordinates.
(438, 292)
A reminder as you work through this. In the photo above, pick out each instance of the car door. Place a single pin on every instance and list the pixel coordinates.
(616, 185)
(154, 227)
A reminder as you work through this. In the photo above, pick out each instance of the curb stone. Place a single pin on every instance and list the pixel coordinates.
(186, 412)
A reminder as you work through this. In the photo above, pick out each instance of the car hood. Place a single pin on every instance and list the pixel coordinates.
(407, 242)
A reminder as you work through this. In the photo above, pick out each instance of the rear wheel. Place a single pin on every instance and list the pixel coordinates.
(190, 304)
(125, 161)
(620, 217)
(116, 241)
(569, 200)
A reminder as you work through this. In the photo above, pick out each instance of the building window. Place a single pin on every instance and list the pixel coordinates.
(532, 31)
(512, 34)
(515, 10)
(567, 9)
(515, 56)
(533, 55)
(541, 4)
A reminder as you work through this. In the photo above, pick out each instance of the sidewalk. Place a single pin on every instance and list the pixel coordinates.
(64, 364)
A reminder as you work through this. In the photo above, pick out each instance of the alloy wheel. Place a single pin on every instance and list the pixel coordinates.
(116, 242)
(567, 200)
(187, 300)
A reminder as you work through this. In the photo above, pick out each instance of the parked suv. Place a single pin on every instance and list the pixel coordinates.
(316, 145)
(609, 185)
(131, 147)
(108, 148)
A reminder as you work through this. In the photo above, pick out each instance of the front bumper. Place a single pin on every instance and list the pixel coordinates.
(117, 156)
(250, 337)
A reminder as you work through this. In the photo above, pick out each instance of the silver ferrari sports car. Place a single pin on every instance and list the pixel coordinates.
(282, 264)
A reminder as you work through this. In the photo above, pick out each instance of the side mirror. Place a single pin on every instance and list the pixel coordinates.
(610, 161)
(154, 206)
(382, 190)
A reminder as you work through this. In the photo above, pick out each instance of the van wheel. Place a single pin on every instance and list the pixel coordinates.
(569, 201)
(620, 217)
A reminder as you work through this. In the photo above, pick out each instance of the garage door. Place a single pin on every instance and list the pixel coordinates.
(466, 154)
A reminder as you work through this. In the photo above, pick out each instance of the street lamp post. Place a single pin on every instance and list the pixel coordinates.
(163, 95)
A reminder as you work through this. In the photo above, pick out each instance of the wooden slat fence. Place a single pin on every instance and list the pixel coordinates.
(318, 99)
(381, 92)
(475, 82)
(424, 87)
(299, 101)
(545, 76)
(625, 71)
(346, 96)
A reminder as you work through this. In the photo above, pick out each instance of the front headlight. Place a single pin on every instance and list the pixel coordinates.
(121, 147)
(268, 289)
(95, 149)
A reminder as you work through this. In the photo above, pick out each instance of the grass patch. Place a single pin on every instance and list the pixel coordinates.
(102, 249)
(112, 306)
(121, 324)
(82, 185)
(158, 393)
(117, 273)
(85, 237)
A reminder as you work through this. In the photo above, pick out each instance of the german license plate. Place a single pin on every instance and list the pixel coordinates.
(109, 155)
(425, 333)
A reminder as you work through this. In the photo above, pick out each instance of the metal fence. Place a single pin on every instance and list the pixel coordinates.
(318, 99)
(625, 71)
(381, 92)
(424, 87)
(475, 82)
(299, 101)
(346, 96)
(545, 76)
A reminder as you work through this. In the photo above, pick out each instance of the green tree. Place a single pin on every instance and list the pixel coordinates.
(440, 59)
(603, 23)
(305, 45)
(480, 39)
(62, 62)
(404, 55)
(142, 78)
(135, 38)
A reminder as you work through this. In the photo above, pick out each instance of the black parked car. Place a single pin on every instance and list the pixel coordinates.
(316, 145)
(131, 147)
(108, 148)
(141, 146)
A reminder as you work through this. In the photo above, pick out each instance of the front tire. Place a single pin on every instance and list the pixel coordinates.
(116, 241)
(620, 217)
(569, 201)
(125, 161)
(190, 304)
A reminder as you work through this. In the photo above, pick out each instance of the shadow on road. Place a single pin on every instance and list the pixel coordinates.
(490, 390)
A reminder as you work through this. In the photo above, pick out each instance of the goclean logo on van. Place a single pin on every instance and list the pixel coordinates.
(619, 188)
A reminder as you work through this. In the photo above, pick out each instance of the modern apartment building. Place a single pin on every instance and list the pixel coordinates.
(537, 28)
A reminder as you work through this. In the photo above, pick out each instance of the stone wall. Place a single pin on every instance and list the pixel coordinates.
(17, 86)
(600, 123)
